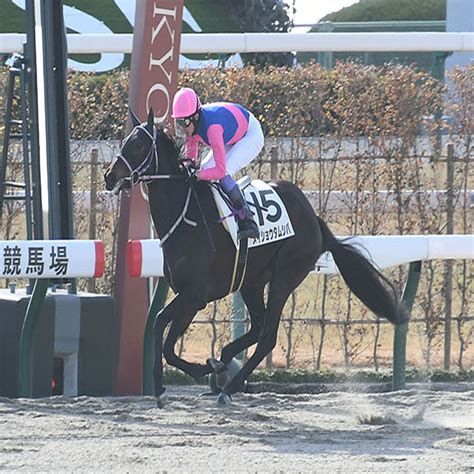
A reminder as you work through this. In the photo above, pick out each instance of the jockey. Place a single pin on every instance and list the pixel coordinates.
(235, 138)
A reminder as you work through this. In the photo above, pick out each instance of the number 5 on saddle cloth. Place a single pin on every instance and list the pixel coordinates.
(269, 213)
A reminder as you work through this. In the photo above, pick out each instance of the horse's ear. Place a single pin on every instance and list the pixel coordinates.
(151, 120)
(135, 119)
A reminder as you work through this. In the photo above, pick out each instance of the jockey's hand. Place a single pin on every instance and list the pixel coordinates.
(189, 164)
(192, 171)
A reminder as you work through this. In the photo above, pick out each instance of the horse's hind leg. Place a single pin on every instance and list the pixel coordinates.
(288, 274)
(253, 298)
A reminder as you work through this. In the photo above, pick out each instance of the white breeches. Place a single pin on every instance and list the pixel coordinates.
(240, 154)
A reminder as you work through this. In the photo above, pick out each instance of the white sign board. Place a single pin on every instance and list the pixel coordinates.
(51, 258)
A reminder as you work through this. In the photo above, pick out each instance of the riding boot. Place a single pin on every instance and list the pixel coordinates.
(247, 226)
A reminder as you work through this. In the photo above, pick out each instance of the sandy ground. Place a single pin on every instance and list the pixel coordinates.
(416, 431)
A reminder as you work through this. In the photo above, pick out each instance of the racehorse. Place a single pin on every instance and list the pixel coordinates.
(199, 257)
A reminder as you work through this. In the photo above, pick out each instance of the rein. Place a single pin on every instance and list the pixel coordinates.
(182, 217)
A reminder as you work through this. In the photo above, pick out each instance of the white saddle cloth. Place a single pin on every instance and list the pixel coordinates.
(268, 210)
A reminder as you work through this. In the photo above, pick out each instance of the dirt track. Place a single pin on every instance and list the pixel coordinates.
(415, 431)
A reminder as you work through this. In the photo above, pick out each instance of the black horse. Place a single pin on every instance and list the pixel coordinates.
(199, 259)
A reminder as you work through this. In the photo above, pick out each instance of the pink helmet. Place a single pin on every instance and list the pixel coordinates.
(185, 103)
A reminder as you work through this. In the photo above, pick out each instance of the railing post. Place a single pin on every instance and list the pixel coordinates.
(448, 278)
(273, 176)
(157, 303)
(238, 319)
(28, 336)
(401, 330)
(274, 163)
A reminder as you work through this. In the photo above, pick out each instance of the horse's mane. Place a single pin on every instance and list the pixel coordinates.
(178, 148)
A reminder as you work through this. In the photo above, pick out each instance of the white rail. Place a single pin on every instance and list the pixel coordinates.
(391, 250)
(145, 257)
(266, 42)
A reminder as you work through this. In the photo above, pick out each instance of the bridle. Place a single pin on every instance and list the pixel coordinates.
(138, 174)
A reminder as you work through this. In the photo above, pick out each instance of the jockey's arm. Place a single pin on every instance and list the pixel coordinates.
(215, 135)
(192, 148)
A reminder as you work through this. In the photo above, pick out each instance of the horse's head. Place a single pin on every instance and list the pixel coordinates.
(143, 151)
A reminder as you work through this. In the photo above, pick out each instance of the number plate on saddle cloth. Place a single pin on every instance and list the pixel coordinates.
(268, 211)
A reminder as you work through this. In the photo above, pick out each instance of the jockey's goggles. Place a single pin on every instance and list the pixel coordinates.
(184, 122)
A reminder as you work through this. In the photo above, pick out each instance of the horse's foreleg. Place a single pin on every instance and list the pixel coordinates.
(177, 329)
(161, 321)
(253, 297)
(266, 342)
(180, 312)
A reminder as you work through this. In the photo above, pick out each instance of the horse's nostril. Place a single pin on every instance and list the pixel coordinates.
(109, 181)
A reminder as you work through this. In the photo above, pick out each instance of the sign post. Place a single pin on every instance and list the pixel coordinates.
(153, 82)
(28, 332)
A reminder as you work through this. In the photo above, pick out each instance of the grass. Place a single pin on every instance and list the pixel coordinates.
(377, 420)
(306, 334)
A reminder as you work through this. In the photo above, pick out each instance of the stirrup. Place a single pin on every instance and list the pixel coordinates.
(251, 231)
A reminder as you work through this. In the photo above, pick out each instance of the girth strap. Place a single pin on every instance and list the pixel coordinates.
(240, 265)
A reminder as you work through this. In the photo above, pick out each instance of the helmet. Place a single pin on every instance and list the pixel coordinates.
(185, 103)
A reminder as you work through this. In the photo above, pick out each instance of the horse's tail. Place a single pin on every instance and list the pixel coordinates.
(365, 281)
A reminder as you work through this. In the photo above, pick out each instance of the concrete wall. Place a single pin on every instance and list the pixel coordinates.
(75, 331)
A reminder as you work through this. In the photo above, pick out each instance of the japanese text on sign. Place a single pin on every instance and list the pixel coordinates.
(35, 261)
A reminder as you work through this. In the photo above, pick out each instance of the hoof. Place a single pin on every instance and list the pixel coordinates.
(162, 400)
(224, 399)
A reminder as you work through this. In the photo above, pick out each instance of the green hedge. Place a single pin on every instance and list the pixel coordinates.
(351, 99)
(303, 101)
(176, 377)
(391, 10)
